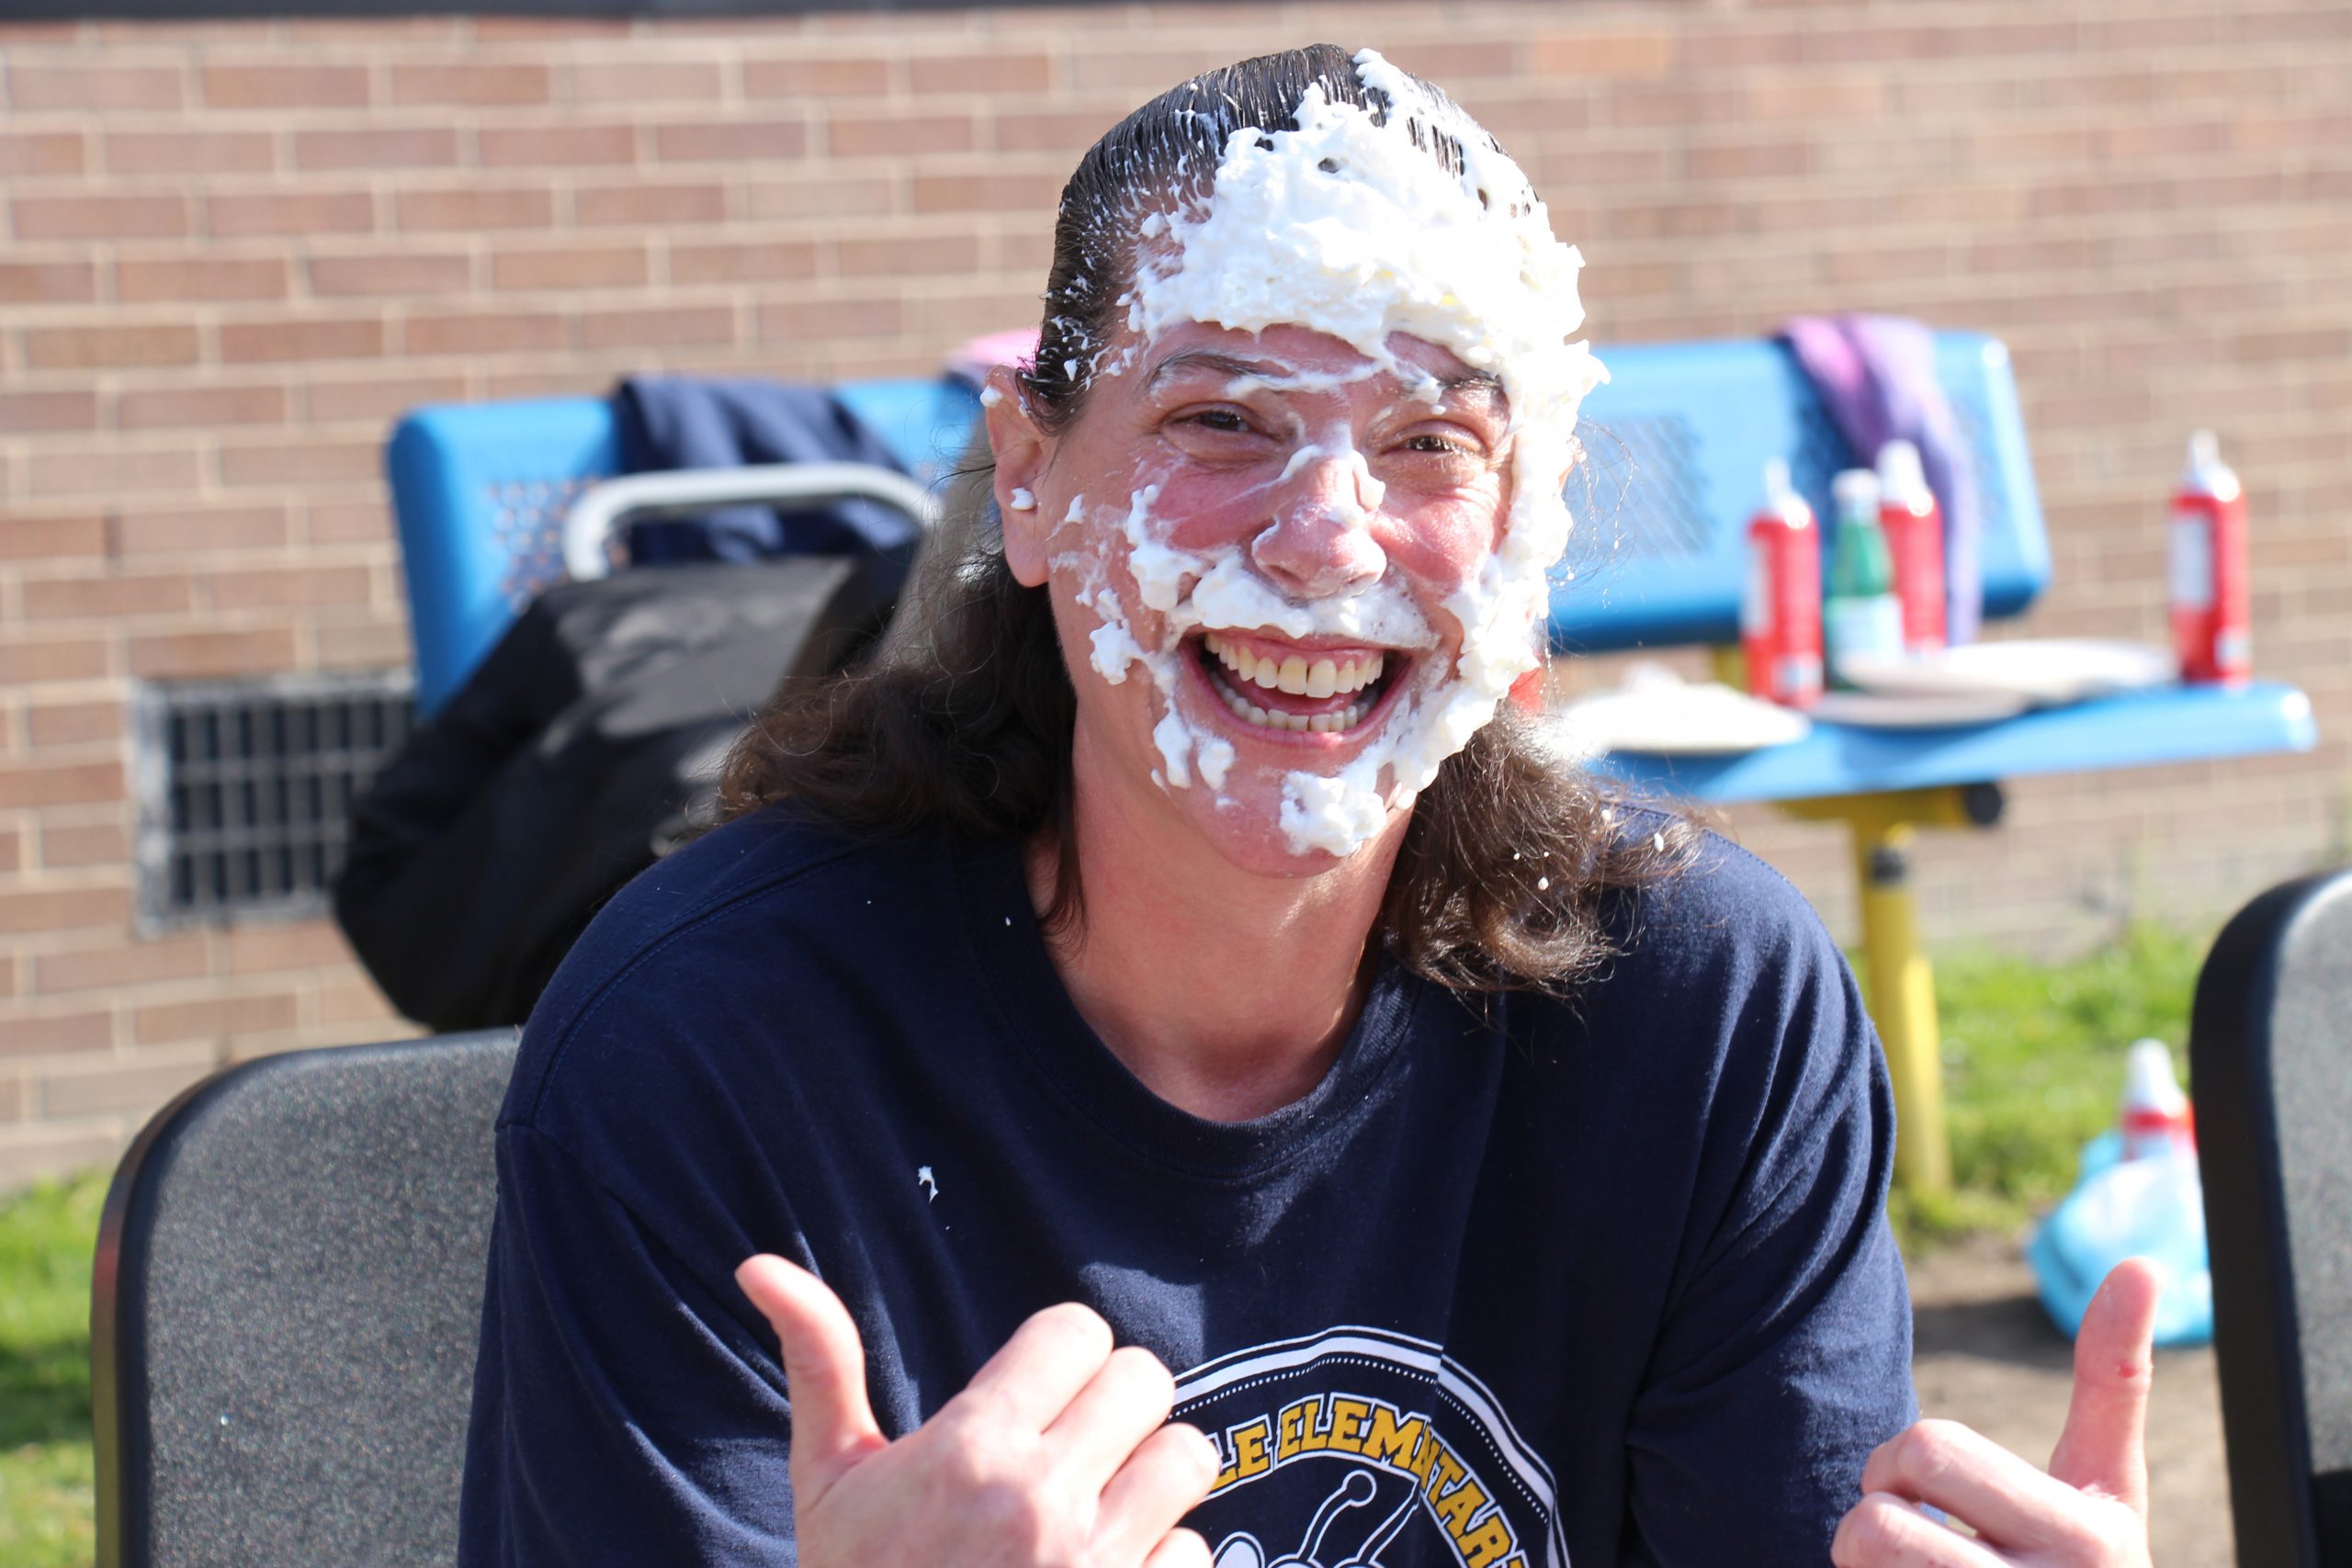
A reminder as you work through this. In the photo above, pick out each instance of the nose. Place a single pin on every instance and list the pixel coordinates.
(1319, 545)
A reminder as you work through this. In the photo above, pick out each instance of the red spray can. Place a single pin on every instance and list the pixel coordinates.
(1779, 610)
(1914, 525)
(2212, 606)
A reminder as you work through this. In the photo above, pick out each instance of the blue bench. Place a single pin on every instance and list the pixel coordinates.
(1680, 438)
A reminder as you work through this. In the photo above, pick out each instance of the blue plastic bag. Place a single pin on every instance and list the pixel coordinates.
(2151, 1207)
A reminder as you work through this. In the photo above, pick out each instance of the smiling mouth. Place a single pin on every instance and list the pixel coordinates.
(1324, 694)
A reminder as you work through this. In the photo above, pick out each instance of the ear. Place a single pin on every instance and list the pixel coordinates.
(1021, 451)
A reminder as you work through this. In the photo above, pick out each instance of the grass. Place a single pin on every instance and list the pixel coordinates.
(47, 1235)
(2034, 1064)
(2033, 1069)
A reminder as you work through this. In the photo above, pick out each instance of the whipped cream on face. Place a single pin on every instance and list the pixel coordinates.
(1345, 227)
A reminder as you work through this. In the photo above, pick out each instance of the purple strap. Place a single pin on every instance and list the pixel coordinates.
(1877, 376)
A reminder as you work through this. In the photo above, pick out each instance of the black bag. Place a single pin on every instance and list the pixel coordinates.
(584, 746)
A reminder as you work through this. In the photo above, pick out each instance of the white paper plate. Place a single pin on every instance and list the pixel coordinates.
(1882, 710)
(2041, 670)
(1670, 719)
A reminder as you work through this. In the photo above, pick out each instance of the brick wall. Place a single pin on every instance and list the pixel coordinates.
(234, 251)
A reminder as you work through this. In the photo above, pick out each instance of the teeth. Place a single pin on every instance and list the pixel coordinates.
(1320, 724)
(1323, 678)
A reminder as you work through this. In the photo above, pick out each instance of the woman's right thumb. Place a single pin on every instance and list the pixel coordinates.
(824, 1369)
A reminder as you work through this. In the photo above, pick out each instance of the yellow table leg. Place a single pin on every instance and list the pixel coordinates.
(1903, 997)
(1902, 985)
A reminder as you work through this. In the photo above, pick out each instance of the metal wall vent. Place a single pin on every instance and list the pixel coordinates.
(245, 789)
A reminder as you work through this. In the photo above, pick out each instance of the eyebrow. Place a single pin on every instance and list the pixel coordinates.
(1206, 359)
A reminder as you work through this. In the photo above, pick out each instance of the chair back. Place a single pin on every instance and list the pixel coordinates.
(2271, 1063)
(481, 491)
(286, 1305)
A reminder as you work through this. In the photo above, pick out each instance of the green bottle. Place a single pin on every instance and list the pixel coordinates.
(1860, 617)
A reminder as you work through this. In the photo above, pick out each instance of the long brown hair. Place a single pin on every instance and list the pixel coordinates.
(963, 719)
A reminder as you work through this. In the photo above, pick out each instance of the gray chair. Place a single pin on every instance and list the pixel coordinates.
(287, 1297)
(2270, 1060)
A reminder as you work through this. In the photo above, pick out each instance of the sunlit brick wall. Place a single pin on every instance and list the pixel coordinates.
(235, 251)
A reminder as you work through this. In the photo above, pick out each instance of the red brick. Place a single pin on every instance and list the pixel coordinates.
(984, 191)
(200, 277)
(89, 969)
(27, 660)
(42, 152)
(350, 521)
(187, 152)
(88, 598)
(1052, 130)
(357, 1002)
(475, 81)
(181, 656)
(302, 460)
(473, 208)
(312, 86)
(112, 471)
(492, 28)
(483, 332)
(750, 260)
(909, 255)
(27, 413)
(290, 588)
(60, 783)
(850, 77)
(803, 321)
(656, 328)
(557, 146)
(569, 266)
(359, 337)
(342, 643)
(863, 136)
(1603, 53)
(981, 73)
(99, 216)
(132, 1087)
(76, 908)
(68, 1032)
(376, 401)
(35, 83)
(48, 283)
(39, 538)
(649, 204)
(736, 141)
(378, 147)
(181, 407)
(647, 81)
(73, 724)
(158, 532)
(404, 275)
(272, 948)
(824, 200)
(232, 216)
(12, 857)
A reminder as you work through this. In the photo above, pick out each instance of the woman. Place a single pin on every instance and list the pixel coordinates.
(1176, 944)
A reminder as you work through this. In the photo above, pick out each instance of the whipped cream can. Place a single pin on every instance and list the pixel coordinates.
(2211, 604)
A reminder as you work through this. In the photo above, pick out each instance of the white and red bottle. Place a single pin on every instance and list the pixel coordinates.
(1780, 608)
(1914, 525)
(2156, 1117)
(2212, 606)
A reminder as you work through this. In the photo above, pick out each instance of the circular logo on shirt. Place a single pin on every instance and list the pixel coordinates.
(1357, 1447)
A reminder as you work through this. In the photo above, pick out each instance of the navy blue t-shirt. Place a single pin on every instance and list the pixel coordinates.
(1521, 1282)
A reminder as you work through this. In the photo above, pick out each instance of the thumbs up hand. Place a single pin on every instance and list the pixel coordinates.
(2090, 1511)
(1057, 1453)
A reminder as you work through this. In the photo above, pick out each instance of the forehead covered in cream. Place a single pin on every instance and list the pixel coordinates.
(1351, 225)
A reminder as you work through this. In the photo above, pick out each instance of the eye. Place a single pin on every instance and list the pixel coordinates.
(1224, 421)
(1443, 446)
